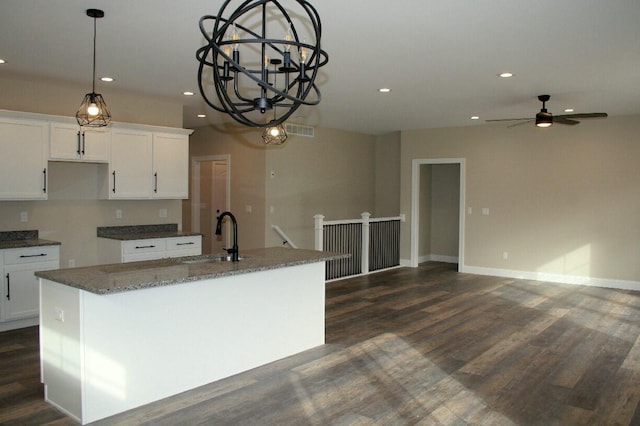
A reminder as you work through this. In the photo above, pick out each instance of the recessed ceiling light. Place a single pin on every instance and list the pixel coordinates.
(384, 90)
(475, 117)
(187, 93)
(2, 61)
(201, 116)
(505, 74)
(569, 110)
(107, 79)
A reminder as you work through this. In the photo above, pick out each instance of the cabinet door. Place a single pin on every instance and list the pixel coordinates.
(65, 142)
(23, 159)
(69, 142)
(170, 166)
(20, 296)
(130, 167)
(95, 145)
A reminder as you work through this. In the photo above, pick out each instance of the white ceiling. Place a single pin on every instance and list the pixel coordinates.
(440, 58)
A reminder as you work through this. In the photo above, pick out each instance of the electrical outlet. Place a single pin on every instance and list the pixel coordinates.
(118, 213)
(485, 211)
(248, 208)
(59, 314)
(24, 216)
(162, 212)
(72, 263)
(505, 255)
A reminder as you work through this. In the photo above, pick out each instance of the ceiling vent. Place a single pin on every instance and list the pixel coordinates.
(299, 130)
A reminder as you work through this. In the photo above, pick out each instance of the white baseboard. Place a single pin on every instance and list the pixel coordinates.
(554, 278)
(438, 258)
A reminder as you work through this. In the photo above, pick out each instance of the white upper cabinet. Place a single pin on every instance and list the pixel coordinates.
(23, 159)
(170, 165)
(69, 142)
(129, 173)
(141, 162)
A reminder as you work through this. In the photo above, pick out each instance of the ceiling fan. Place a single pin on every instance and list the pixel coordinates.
(546, 119)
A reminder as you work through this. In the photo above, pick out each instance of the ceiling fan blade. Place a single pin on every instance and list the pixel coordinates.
(511, 119)
(584, 115)
(564, 120)
(521, 123)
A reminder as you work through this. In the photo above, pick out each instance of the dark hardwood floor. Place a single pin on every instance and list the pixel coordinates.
(425, 346)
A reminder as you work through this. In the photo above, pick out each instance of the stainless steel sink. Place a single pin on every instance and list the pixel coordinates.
(207, 258)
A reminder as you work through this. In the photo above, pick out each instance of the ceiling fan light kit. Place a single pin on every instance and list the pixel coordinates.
(93, 111)
(544, 118)
(233, 73)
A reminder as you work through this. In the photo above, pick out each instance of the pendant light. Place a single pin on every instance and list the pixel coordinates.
(233, 75)
(93, 111)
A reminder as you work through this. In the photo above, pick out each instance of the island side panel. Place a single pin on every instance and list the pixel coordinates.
(144, 345)
(60, 346)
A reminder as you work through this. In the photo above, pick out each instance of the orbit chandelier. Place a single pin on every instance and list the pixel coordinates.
(93, 111)
(234, 75)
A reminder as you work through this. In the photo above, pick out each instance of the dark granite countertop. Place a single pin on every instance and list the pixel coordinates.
(22, 239)
(142, 232)
(121, 277)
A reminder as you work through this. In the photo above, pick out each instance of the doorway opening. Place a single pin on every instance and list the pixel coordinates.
(211, 183)
(437, 210)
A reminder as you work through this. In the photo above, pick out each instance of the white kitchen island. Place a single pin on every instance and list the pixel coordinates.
(115, 337)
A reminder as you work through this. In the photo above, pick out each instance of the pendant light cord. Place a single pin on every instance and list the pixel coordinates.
(93, 81)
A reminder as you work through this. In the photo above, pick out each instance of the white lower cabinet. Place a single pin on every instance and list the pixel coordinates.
(20, 296)
(118, 251)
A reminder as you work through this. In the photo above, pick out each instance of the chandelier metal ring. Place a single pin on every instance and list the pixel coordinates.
(243, 87)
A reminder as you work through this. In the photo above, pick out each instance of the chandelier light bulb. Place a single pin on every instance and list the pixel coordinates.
(275, 131)
(288, 37)
(235, 37)
(303, 54)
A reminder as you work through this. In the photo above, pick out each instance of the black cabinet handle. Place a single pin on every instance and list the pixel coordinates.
(78, 151)
(8, 287)
(33, 255)
(155, 176)
(44, 180)
(142, 247)
(114, 181)
(83, 139)
(185, 244)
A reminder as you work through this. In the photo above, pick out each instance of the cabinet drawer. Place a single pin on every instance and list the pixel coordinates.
(143, 246)
(184, 243)
(31, 254)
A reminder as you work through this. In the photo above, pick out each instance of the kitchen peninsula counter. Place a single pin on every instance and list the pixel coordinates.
(115, 337)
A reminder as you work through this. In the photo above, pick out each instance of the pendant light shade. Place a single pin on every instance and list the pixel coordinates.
(274, 135)
(93, 111)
